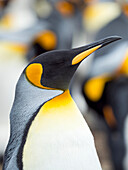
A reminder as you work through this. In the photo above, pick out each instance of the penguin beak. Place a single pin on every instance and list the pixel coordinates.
(81, 53)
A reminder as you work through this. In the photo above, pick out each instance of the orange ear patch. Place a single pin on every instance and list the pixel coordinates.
(34, 72)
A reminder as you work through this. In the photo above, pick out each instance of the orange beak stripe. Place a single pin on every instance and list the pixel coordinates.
(77, 59)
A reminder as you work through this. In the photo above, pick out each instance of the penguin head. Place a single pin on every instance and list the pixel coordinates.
(54, 69)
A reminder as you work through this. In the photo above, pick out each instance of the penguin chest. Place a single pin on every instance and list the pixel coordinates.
(59, 138)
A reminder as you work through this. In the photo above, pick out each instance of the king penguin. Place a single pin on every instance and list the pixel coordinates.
(48, 132)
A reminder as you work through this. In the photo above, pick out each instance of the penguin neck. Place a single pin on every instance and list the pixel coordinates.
(58, 102)
(60, 106)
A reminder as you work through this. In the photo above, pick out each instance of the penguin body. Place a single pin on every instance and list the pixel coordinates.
(47, 129)
(116, 93)
(70, 135)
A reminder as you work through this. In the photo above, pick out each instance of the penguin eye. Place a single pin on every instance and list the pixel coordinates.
(33, 73)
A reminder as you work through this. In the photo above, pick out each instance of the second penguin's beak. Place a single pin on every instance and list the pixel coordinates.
(82, 52)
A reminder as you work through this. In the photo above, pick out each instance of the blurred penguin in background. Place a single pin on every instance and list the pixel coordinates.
(118, 26)
(18, 15)
(96, 14)
(106, 87)
(65, 20)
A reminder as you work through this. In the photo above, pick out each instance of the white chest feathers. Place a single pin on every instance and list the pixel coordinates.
(59, 139)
